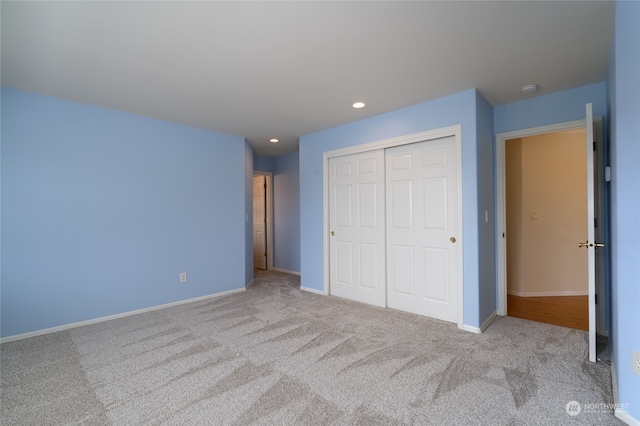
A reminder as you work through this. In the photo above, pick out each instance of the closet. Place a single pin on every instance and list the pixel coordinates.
(394, 222)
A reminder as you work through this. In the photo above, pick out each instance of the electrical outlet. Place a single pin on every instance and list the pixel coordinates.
(183, 277)
(635, 366)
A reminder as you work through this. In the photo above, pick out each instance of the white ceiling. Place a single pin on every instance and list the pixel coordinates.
(286, 69)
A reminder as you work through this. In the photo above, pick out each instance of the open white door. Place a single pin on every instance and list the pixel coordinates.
(259, 225)
(590, 244)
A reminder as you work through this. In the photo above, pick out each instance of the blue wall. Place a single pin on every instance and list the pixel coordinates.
(286, 212)
(559, 107)
(262, 163)
(487, 296)
(623, 89)
(101, 211)
(456, 109)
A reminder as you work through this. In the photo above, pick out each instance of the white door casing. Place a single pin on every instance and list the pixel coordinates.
(357, 227)
(422, 228)
(259, 224)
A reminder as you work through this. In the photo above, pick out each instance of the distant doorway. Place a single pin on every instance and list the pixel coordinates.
(262, 245)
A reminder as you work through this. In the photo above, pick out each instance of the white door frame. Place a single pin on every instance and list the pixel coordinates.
(501, 228)
(456, 132)
(269, 210)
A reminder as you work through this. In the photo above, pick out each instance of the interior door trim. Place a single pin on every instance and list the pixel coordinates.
(456, 132)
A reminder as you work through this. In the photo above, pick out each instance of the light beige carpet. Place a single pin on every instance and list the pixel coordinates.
(277, 355)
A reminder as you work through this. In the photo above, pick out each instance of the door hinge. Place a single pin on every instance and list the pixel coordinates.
(265, 184)
(503, 235)
(594, 145)
(596, 298)
(265, 254)
(595, 222)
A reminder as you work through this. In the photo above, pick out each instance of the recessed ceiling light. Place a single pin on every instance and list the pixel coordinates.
(529, 88)
(358, 105)
(274, 140)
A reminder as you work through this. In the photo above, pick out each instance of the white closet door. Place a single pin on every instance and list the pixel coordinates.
(357, 227)
(422, 228)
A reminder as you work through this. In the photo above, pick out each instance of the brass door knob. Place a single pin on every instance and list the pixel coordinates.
(587, 244)
(333, 233)
(452, 239)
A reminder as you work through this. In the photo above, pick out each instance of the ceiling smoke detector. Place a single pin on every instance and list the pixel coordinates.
(529, 88)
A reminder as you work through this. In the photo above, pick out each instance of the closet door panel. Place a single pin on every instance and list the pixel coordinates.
(422, 209)
(357, 226)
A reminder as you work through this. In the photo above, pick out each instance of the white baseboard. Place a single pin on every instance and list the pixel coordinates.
(483, 327)
(614, 382)
(626, 417)
(619, 413)
(112, 317)
(488, 321)
(285, 271)
(547, 293)
(471, 329)
(313, 290)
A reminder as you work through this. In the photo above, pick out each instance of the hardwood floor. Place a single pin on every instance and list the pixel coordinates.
(567, 311)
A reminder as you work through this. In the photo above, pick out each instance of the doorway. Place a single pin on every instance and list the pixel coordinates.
(546, 216)
(595, 233)
(262, 221)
